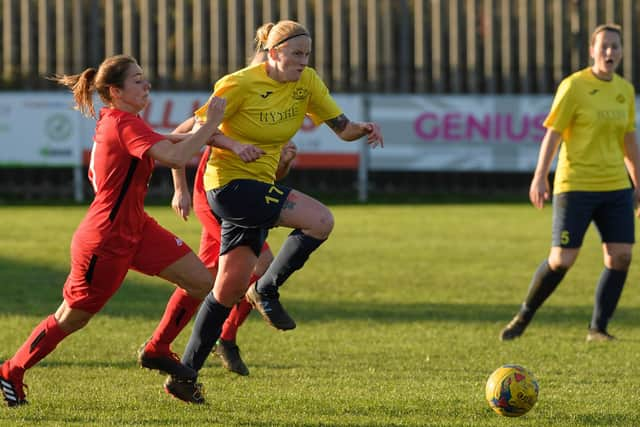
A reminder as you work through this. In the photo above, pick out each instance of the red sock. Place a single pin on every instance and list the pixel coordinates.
(42, 341)
(238, 315)
(179, 311)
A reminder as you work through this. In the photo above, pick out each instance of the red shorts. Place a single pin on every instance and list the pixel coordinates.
(209, 238)
(209, 251)
(94, 278)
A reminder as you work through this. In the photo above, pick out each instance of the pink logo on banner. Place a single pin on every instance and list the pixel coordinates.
(487, 128)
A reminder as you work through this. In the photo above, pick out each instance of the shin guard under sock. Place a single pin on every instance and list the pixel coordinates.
(292, 255)
(237, 316)
(544, 282)
(42, 341)
(607, 295)
(206, 330)
(179, 311)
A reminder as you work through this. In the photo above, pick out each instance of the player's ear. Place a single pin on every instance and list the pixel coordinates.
(114, 92)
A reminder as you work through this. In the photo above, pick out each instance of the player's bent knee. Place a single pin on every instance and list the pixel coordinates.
(229, 297)
(73, 320)
(200, 288)
(621, 261)
(198, 285)
(324, 226)
(560, 266)
(562, 259)
(560, 263)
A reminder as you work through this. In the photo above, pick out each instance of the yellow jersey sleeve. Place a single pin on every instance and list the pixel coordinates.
(321, 107)
(562, 109)
(631, 125)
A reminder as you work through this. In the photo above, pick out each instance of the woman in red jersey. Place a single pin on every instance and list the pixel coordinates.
(116, 234)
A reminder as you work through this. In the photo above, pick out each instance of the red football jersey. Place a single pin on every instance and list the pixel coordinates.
(200, 202)
(119, 172)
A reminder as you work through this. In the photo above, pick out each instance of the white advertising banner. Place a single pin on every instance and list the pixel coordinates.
(39, 129)
(459, 132)
(422, 132)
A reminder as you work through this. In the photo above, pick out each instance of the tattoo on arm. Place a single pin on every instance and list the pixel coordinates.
(288, 204)
(338, 124)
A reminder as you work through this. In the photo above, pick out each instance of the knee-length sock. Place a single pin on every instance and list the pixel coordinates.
(544, 282)
(42, 341)
(607, 295)
(179, 311)
(292, 255)
(206, 330)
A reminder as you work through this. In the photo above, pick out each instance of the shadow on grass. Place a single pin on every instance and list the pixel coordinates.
(306, 311)
(32, 289)
(93, 363)
(35, 289)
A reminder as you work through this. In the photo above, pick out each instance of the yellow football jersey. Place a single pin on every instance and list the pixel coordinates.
(593, 116)
(267, 114)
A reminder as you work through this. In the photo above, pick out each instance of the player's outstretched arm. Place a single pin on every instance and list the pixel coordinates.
(247, 152)
(176, 155)
(182, 131)
(350, 131)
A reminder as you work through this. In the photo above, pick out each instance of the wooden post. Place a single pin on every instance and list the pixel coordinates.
(541, 46)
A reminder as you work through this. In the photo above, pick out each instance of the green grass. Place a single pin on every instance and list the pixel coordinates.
(398, 317)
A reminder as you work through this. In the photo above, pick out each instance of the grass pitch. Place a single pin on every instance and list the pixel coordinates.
(398, 319)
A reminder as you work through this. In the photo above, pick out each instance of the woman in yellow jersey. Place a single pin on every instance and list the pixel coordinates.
(182, 203)
(593, 116)
(266, 105)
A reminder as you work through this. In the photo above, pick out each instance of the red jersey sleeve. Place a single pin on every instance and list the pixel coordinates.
(137, 136)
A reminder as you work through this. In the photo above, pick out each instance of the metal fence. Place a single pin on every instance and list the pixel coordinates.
(417, 46)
